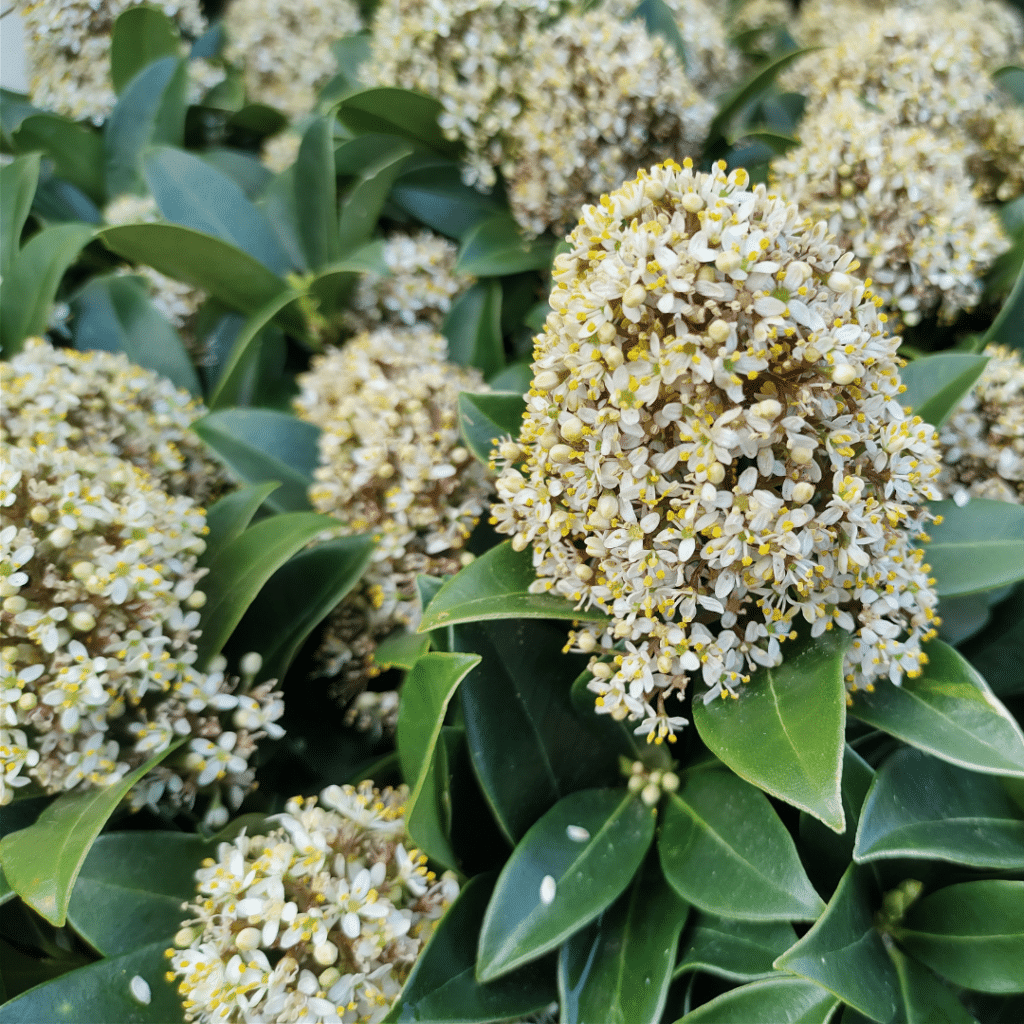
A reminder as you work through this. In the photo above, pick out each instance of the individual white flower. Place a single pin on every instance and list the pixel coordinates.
(713, 446)
(344, 902)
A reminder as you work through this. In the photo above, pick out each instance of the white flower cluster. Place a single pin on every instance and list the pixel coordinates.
(714, 447)
(900, 198)
(68, 50)
(392, 463)
(284, 47)
(102, 403)
(419, 287)
(983, 439)
(563, 108)
(320, 920)
(280, 151)
(374, 712)
(97, 580)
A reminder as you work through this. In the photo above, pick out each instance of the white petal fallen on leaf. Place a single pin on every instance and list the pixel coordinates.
(547, 890)
(577, 833)
(140, 990)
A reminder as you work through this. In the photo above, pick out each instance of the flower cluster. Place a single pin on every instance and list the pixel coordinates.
(281, 150)
(284, 48)
(713, 447)
(419, 287)
(98, 582)
(392, 463)
(100, 402)
(68, 50)
(983, 439)
(320, 920)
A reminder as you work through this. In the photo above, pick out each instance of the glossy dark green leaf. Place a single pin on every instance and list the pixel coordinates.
(936, 384)
(362, 206)
(1005, 329)
(977, 547)
(101, 992)
(924, 808)
(844, 953)
(780, 1000)
(718, 819)
(141, 35)
(297, 598)
(515, 377)
(442, 987)
(42, 862)
(131, 887)
(33, 279)
(660, 20)
(242, 567)
(17, 188)
(354, 157)
(433, 193)
(401, 650)
(948, 711)
(569, 867)
(497, 246)
(228, 517)
(995, 651)
(971, 933)
(473, 328)
(280, 205)
(618, 969)
(785, 731)
(486, 418)
(221, 269)
(244, 169)
(734, 950)
(430, 821)
(391, 111)
(58, 201)
(196, 195)
(14, 108)
(115, 313)
(263, 444)
(76, 150)
(150, 111)
(923, 998)
(1011, 79)
(617, 737)
(496, 586)
(316, 195)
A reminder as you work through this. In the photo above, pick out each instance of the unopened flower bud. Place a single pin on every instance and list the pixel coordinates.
(844, 373)
(248, 939)
(651, 794)
(803, 492)
(634, 296)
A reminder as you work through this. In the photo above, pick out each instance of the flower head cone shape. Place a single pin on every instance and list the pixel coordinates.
(713, 447)
(983, 439)
(100, 402)
(392, 464)
(320, 920)
(284, 47)
(99, 617)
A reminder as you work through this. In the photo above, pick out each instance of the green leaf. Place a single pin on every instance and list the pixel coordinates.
(473, 328)
(228, 517)
(923, 808)
(734, 950)
(442, 986)
(1005, 329)
(923, 998)
(590, 845)
(485, 418)
(42, 862)
(150, 111)
(977, 547)
(196, 195)
(263, 444)
(297, 598)
(971, 934)
(390, 111)
(995, 652)
(350, 54)
(33, 279)
(1011, 79)
(719, 819)
(496, 586)
(401, 650)
(244, 169)
(844, 953)
(353, 157)
(114, 313)
(316, 195)
(243, 566)
(131, 887)
(76, 150)
(773, 1001)
(937, 384)
(660, 20)
(201, 260)
(141, 35)
(362, 206)
(496, 247)
(432, 192)
(948, 711)
(785, 731)
(618, 969)
(17, 189)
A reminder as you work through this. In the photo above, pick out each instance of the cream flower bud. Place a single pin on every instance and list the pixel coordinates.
(572, 429)
(247, 939)
(634, 296)
(768, 409)
(326, 954)
(716, 472)
(841, 283)
(560, 453)
(803, 492)
(718, 331)
(843, 374)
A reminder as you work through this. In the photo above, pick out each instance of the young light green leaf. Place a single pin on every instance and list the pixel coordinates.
(496, 247)
(785, 731)
(362, 206)
(719, 819)
(936, 384)
(401, 650)
(17, 187)
(977, 547)
(228, 517)
(734, 950)
(950, 712)
(496, 586)
(780, 1000)
(618, 969)
(42, 862)
(924, 808)
(141, 35)
(570, 866)
(971, 934)
(844, 953)
(316, 195)
(483, 419)
(473, 328)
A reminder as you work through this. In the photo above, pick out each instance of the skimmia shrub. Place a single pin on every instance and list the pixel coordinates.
(511, 511)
